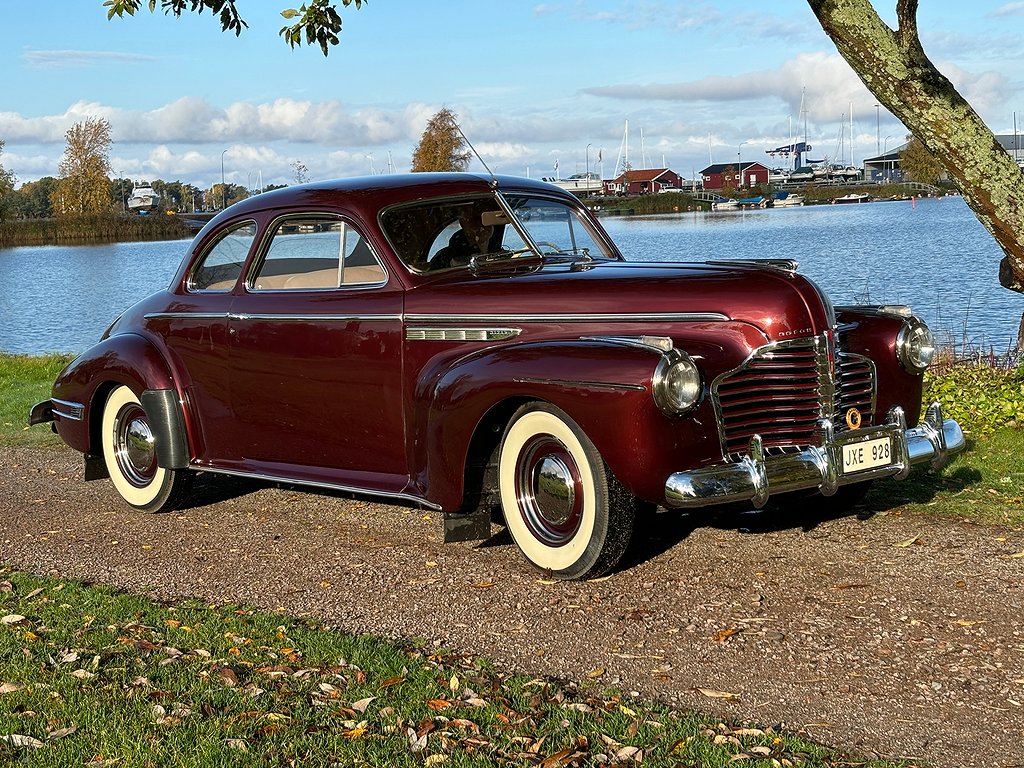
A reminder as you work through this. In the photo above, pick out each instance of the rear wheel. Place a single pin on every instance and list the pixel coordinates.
(129, 451)
(564, 509)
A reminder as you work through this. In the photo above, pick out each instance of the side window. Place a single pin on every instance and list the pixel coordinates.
(219, 269)
(316, 253)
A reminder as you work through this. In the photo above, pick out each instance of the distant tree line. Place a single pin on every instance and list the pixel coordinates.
(84, 187)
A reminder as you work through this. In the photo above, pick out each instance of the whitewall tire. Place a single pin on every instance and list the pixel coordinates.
(129, 451)
(563, 508)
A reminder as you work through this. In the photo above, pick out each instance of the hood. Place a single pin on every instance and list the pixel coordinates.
(780, 303)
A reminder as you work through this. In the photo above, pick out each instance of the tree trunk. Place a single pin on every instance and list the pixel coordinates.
(894, 67)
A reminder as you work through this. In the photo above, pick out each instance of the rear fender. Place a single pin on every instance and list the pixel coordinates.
(604, 386)
(132, 361)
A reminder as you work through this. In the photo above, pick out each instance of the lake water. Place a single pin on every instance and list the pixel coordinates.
(933, 255)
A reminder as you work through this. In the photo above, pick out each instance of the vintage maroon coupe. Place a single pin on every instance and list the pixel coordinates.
(470, 344)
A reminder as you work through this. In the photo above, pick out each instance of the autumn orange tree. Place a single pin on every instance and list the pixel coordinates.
(84, 183)
(441, 147)
(891, 63)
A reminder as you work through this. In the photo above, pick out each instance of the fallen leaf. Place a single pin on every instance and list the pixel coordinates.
(1017, 554)
(435, 759)
(82, 674)
(392, 681)
(484, 585)
(10, 687)
(238, 744)
(361, 705)
(908, 542)
(438, 704)
(19, 740)
(60, 733)
(556, 760)
(595, 673)
(713, 694)
(12, 618)
(356, 732)
(453, 684)
(417, 743)
(724, 634)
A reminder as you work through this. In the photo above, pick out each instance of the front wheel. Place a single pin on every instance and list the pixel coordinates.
(129, 451)
(565, 511)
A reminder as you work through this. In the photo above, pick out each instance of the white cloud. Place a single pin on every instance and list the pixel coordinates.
(1009, 9)
(76, 59)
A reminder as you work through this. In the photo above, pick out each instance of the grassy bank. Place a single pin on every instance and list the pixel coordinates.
(97, 677)
(24, 381)
(92, 229)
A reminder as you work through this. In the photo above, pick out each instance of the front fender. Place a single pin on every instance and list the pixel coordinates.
(127, 359)
(604, 386)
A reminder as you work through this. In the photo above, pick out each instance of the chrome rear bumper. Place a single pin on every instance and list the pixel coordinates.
(757, 476)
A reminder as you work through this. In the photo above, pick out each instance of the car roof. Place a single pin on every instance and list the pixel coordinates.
(376, 192)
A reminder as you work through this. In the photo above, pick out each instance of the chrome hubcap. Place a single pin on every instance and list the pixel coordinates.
(549, 491)
(554, 490)
(135, 447)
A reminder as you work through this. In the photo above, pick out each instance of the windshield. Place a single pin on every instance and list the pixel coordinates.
(445, 234)
(556, 228)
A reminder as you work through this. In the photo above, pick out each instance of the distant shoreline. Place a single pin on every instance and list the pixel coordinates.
(86, 230)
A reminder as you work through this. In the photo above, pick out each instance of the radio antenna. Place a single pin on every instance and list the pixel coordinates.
(494, 179)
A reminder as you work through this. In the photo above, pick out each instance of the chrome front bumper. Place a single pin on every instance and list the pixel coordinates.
(757, 476)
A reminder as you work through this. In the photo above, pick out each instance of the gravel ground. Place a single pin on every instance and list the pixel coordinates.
(891, 636)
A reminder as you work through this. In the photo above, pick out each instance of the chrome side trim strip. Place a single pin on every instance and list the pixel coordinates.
(606, 317)
(580, 383)
(68, 409)
(461, 334)
(186, 315)
(418, 500)
(659, 344)
(281, 318)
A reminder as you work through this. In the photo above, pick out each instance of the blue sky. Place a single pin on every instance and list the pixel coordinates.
(532, 83)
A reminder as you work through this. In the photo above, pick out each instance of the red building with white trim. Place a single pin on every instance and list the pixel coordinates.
(722, 175)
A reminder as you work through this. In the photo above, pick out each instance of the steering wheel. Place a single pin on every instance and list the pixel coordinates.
(552, 246)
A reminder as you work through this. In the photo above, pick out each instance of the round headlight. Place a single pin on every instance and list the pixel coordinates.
(677, 386)
(915, 345)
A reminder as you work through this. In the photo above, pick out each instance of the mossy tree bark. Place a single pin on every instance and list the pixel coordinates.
(894, 67)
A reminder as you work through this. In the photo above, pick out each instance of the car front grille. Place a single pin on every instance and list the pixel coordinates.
(784, 390)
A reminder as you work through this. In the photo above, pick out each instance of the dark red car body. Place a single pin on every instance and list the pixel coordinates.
(404, 385)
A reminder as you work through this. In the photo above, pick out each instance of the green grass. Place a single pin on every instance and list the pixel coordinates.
(94, 676)
(25, 381)
(984, 484)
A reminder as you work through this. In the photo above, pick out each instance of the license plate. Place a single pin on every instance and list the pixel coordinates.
(866, 455)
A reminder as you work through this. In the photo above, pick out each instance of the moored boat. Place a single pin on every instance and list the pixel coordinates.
(782, 199)
(143, 199)
(853, 197)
